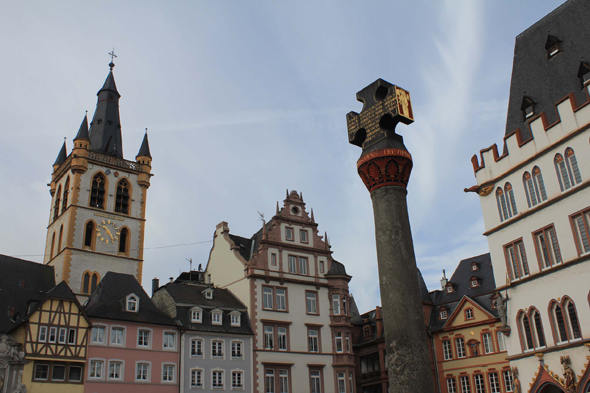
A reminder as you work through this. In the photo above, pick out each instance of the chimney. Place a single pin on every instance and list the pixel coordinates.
(378, 322)
(171, 279)
(155, 285)
(443, 281)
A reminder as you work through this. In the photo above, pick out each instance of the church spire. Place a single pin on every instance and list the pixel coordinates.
(144, 150)
(61, 157)
(105, 128)
(83, 131)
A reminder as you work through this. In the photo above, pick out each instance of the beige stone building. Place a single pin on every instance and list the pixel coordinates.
(298, 301)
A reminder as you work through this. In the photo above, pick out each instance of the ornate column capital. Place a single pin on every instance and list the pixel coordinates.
(385, 167)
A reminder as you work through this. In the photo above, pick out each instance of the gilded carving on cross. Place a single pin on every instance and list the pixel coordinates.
(384, 105)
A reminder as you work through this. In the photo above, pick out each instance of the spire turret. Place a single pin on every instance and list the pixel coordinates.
(144, 150)
(105, 128)
(61, 157)
(83, 131)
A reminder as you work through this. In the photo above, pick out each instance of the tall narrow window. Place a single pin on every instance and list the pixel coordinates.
(581, 228)
(302, 265)
(560, 324)
(516, 258)
(269, 380)
(336, 304)
(539, 184)
(338, 341)
(123, 239)
(267, 296)
(61, 234)
(547, 247)
(284, 381)
(311, 302)
(52, 246)
(451, 385)
(529, 188)
(86, 283)
(465, 385)
(512, 210)
(64, 203)
(89, 235)
(316, 382)
(501, 341)
(502, 206)
(572, 166)
(447, 351)
(56, 205)
(479, 383)
(122, 198)
(562, 175)
(528, 334)
(539, 329)
(97, 191)
(268, 337)
(341, 382)
(494, 383)
(292, 264)
(281, 294)
(460, 346)
(312, 337)
(282, 338)
(93, 282)
(488, 344)
(508, 379)
(573, 319)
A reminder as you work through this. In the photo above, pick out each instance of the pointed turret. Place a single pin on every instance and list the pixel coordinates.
(145, 159)
(61, 157)
(144, 150)
(105, 128)
(83, 131)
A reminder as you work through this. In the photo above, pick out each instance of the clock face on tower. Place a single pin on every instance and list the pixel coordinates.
(110, 232)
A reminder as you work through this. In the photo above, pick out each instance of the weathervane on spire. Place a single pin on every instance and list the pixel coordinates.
(113, 55)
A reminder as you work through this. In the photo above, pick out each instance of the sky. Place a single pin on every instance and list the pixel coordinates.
(246, 99)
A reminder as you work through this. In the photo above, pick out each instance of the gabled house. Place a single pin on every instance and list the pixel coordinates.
(133, 346)
(216, 336)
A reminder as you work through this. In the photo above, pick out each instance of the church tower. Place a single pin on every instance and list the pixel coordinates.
(97, 215)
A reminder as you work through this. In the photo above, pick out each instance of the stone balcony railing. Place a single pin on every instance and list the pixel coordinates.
(119, 162)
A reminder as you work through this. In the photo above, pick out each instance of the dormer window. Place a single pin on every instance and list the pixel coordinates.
(469, 313)
(474, 266)
(443, 314)
(197, 315)
(235, 318)
(450, 288)
(552, 46)
(132, 303)
(208, 293)
(474, 283)
(584, 72)
(216, 317)
(527, 107)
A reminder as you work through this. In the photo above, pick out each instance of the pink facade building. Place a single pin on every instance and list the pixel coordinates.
(133, 346)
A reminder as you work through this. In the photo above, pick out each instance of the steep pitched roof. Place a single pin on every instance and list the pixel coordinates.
(105, 128)
(144, 150)
(108, 301)
(547, 80)
(21, 280)
(83, 130)
(336, 269)
(61, 156)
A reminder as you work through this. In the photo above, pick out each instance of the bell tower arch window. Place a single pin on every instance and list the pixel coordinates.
(89, 234)
(56, 205)
(64, 204)
(122, 197)
(97, 191)
(52, 246)
(61, 234)
(89, 281)
(124, 241)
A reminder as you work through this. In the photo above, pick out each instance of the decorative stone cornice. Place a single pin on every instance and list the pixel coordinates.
(386, 167)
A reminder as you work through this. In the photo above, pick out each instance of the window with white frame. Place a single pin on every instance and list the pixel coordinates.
(311, 302)
(447, 350)
(52, 335)
(512, 210)
(516, 259)
(303, 265)
(547, 247)
(169, 340)
(539, 185)
(479, 383)
(42, 334)
(469, 313)
(338, 341)
(580, 223)
(341, 377)
(313, 340)
(168, 372)
(117, 335)
(460, 347)
(144, 338)
(451, 385)
(196, 347)
(217, 379)
(348, 343)
(494, 383)
(351, 382)
(72, 336)
(282, 338)
(273, 259)
(217, 349)
(41, 372)
(235, 319)
(237, 379)
(98, 334)
(465, 385)
(208, 293)
(443, 314)
(216, 317)
(268, 337)
(488, 344)
(344, 309)
(96, 369)
(197, 378)
(303, 236)
(62, 335)
(267, 298)
(116, 370)
(142, 372)
(508, 380)
(236, 349)
(568, 172)
(132, 303)
(197, 315)
(336, 304)
(316, 381)
(281, 295)
(501, 341)
(292, 264)
(269, 380)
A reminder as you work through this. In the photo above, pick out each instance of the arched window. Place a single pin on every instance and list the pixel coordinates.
(93, 281)
(562, 175)
(527, 333)
(64, 204)
(98, 191)
(512, 210)
(529, 188)
(122, 199)
(57, 204)
(539, 184)
(89, 235)
(61, 233)
(573, 320)
(123, 240)
(559, 324)
(536, 317)
(89, 282)
(86, 283)
(52, 246)
(572, 166)
(502, 206)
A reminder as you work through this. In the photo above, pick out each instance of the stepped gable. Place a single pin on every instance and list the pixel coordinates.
(108, 300)
(20, 282)
(546, 80)
(189, 295)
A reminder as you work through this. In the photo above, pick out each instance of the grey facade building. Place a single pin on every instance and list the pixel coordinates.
(216, 335)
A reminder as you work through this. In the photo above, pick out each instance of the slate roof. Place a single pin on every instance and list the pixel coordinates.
(61, 156)
(108, 301)
(462, 287)
(244, 244)
(336, 269)
(21, 280)
(189, 295)
(83, 130)
(547, 80)
(105, 128)
(424, 295)
(144, 150)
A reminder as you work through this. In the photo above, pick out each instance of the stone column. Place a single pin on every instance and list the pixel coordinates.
(384, 166)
